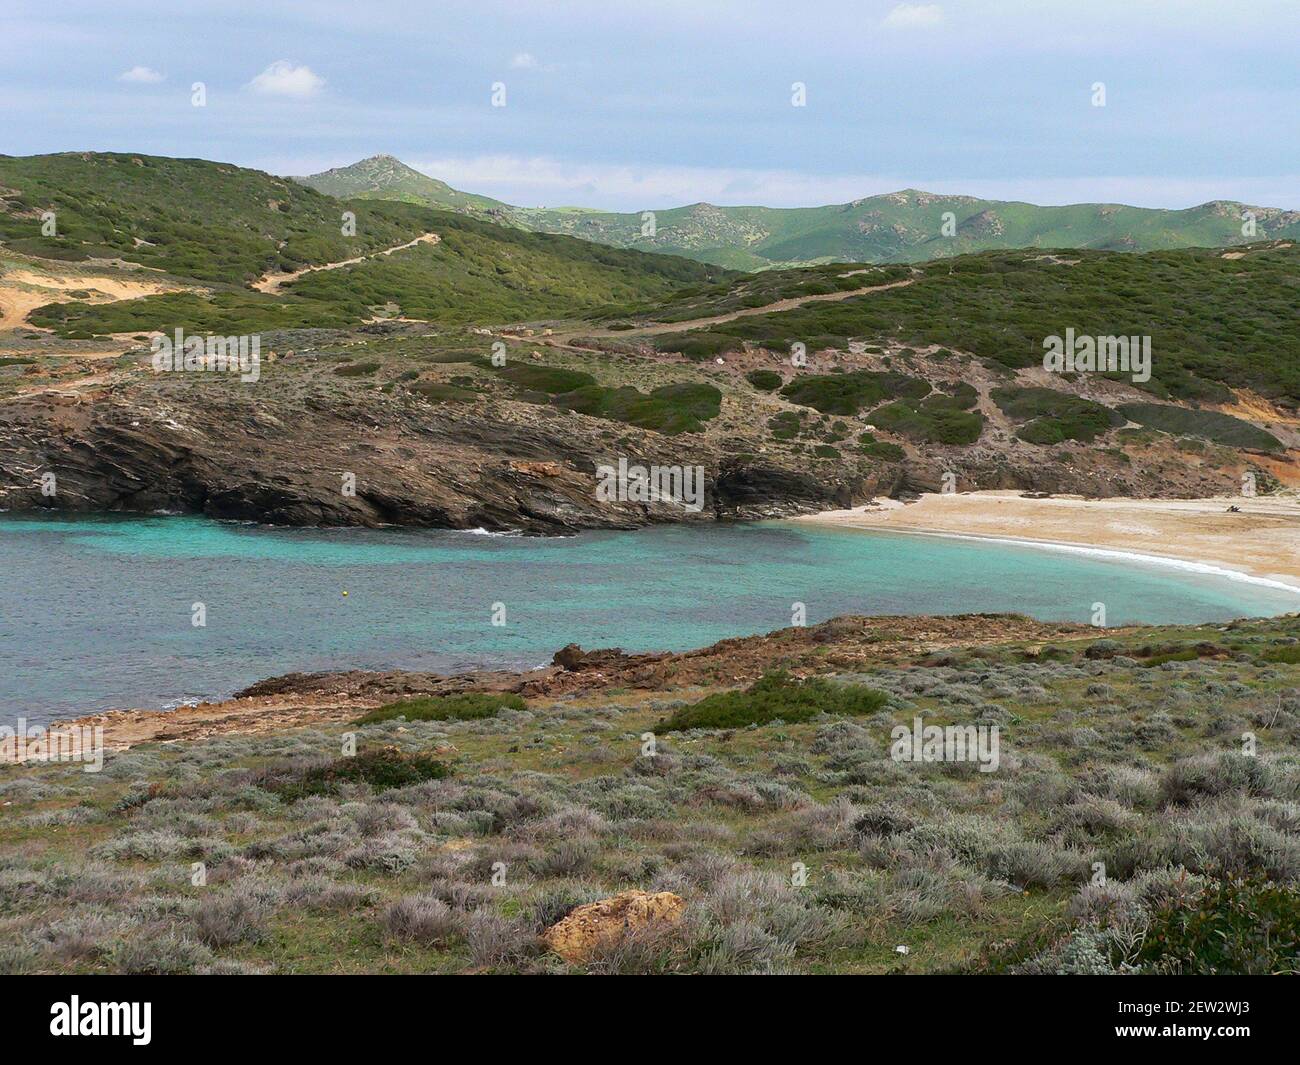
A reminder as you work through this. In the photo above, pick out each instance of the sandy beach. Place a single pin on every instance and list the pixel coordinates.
(1263, 540)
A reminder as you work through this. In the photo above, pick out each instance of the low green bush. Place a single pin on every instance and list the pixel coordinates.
(785, 426)
(671, 409)
(882, 449)
(933, 425)
(357, 369)
(539, 378)
(1054, 417)
(698, 345)
(764, 380)
(1246, 926)
(1288, 655)
(776, 696)
(382, 768)
(848, 393)
(1208, 424)
(463, 706)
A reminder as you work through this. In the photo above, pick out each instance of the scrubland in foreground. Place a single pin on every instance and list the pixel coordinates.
(1127, 827)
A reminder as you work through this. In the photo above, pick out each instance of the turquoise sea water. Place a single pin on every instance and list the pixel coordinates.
(97, 613)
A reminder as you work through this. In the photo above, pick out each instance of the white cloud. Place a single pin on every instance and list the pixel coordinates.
(914, 17)
(283, 78)
(140, 76)
(524, 61)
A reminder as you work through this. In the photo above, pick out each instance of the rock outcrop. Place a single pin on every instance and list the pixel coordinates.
(598, 925)
(312, 453)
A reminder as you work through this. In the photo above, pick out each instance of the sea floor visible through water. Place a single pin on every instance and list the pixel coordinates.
(100, 613)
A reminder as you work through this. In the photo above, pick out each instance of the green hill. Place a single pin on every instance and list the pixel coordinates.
(223, 227)
(382, 177)
(187, 217)
(905, 226)
(1215, 319)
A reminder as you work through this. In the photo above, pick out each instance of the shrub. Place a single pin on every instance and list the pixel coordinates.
(392, 853)
(776, 696)
(1206, 776)
(570, 857)
(1241, 926)
(671, 409)
(764, 380)
(381, 768)
(539, 378)
(881, 449)
(699, 344)
(785, 425)
(494, 940)
(937, 424)
(464, 706)
(158, 955)
(224, 920)
(423, 919)
(357, 369)
(849, 393)
(1209, 424)
(1284, 655)
(1053, 416)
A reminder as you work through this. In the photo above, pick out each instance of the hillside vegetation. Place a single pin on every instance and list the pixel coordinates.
(222, 227)
(1215, 322)
(187, 217)
(903, 226)
(793, 388)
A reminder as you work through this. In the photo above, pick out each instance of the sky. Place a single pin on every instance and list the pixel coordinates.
(644, 104)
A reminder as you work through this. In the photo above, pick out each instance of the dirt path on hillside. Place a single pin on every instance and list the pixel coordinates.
(657, 328)
(271, 282)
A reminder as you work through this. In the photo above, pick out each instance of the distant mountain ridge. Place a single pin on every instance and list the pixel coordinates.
(903, 226)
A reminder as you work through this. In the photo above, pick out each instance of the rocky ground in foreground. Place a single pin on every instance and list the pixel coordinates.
(733, 809)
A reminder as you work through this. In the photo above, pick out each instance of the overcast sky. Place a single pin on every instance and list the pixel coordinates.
(655, 103)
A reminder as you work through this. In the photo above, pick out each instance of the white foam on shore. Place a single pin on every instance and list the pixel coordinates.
(1204, 568)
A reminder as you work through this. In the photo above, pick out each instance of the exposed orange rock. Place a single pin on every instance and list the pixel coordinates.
(538, 469)
(598, 924)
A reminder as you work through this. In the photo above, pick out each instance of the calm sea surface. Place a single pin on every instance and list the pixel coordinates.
(97, 613)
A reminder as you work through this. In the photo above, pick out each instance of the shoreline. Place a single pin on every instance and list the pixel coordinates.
(297, 700)
(1259, 545)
